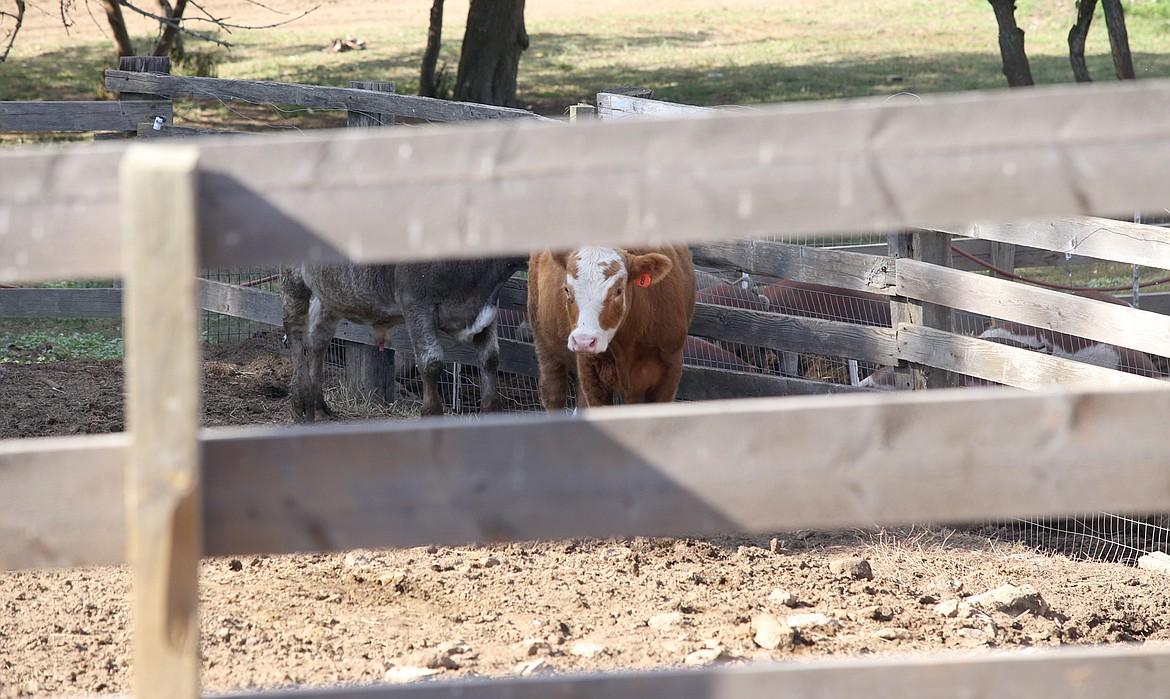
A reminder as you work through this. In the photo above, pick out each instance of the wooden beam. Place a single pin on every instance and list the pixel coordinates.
(60, 303)
(81, 116)
(1103, 322)
(795, 169)
(795, 334)
(160, 201)
(848, 270)
(1084, 673)
(650, 469)
(425, 108)
(613, 105)
(1102, 238)
(70, 508)
(1008, 365)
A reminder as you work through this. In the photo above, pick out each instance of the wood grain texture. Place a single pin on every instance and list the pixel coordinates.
(998, 298)
(848, 270)
(81, 116)
(1090, 236)
(1084, 673)
(163, 369)
(375, 102)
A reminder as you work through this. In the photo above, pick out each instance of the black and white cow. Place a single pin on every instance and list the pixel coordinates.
(456, 297)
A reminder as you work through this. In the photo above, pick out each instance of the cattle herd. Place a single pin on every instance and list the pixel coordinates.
(615, 320)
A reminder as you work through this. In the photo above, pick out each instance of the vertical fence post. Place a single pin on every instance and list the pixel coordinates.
(933, 247)
(369, 371)
(142, 64)
(164, 531)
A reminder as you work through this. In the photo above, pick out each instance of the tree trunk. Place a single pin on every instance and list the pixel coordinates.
(1011, 44)
(1118, 39)
(426, 78)
(170, 42)
(122, 42)
(490, 58)
(1076, 40)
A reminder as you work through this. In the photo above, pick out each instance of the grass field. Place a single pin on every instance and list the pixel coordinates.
(707, 52)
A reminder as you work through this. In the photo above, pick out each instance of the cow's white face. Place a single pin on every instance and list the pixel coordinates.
(598, 285)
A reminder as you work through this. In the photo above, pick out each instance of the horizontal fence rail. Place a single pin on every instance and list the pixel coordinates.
(680, 469)
(351, 99)
(81, 116)
(801, 168)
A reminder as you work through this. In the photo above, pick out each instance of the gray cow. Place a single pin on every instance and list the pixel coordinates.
(455, 297)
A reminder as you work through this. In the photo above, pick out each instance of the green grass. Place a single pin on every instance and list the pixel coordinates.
(37, 345)
(694, 52)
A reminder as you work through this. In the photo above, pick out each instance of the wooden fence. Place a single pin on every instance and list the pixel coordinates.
(154, 213)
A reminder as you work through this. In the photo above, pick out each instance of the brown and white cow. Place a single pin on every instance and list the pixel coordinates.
(617, 318)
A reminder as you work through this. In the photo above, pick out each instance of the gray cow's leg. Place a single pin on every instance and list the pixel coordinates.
(295, 299)
(424, 337)
(487, 350)
(322, 325)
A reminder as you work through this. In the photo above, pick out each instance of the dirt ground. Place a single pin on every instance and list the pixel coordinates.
(430, 614)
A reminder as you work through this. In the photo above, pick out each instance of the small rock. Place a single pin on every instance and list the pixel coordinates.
(533, 646)
(236, 565)
(893, 634)
(540, 666)
(974, 637)
(853, 568)
(707, 656)
(770, 633)
(585, 649)
(402, 675)
(814, 623)
(783, 597)
(948, 608)
(358, 557)
(1011, 600)
(666, 620)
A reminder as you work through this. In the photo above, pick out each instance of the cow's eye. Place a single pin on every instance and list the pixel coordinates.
(566, 292)
(618, 291)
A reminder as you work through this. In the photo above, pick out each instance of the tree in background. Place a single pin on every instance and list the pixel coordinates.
(1016, 68)
(1118, 39)
(172, 25)
(490, 58)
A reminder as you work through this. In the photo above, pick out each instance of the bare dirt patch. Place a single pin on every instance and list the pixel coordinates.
(364, 617)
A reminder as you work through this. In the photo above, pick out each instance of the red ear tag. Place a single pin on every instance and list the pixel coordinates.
(644, 280)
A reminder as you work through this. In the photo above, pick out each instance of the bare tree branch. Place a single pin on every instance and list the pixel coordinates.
(9, 37)
(221, 22)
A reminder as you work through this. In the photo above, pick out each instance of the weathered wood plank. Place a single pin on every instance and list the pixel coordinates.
(1007, 365)
(80, 116)
(1103, 322)
(791, 333)
(160, 201)
(650, 469)
(1084, 673)
(618, 106)
(60, 303)
(827, 266)
(69, 511)
(708, 383)
(809, 168)
(170, 131)
(325, 97)
(981, 250)
(1107, 239)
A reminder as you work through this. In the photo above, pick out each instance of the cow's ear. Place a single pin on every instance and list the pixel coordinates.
(561, 257)
(649, 268)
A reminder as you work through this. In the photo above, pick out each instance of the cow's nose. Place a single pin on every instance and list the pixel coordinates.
(586, 344)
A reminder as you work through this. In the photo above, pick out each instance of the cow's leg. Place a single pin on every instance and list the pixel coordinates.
(487, 350)
(554, 383)
(664, 390)
(295, 300)
(424, 336)
(592, 391)
(322, 326)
